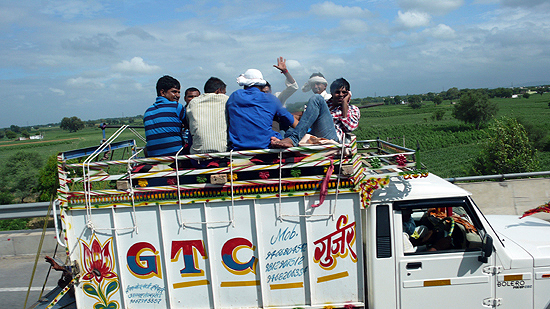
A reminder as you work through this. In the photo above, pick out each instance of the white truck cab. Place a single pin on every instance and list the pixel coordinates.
(306, 227)
(512, 273)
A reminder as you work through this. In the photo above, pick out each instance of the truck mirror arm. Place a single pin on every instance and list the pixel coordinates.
(486, 249)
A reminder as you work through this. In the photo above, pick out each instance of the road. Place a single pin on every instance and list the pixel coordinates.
(15, 274)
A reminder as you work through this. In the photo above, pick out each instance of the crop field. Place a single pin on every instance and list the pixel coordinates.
(446, 147)
(57, 140)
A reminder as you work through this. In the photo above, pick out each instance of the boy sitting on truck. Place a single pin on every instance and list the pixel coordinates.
(163, 120)
(330, 120)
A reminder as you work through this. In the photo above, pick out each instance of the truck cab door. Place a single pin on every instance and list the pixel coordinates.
(438, 243)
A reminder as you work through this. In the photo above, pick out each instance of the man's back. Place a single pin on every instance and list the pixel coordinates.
(208, 123)
(163, 125)
(251, 114)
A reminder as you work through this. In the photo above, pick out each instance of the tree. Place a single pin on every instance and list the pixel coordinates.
(526, 95)
(10, 134)
(48, 182)
(415, 101)
(72, 124)
(437, 100)
(452, 94)
(397, 99)
(15, 128)
(475, 107)
(508, 150)
(25, 133)
(19, 173)
(429, 96)
(2, 133)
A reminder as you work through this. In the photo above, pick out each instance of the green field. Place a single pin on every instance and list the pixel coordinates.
(57, 140)
(446, 147)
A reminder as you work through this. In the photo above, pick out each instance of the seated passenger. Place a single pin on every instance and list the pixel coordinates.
(207, 118)
(190, 93)
(408, 222)
(163, 120)
(318, 85)
(251, 113)
(328, 120)
(345, 116)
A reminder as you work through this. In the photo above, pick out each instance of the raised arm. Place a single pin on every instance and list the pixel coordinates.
(291, 84)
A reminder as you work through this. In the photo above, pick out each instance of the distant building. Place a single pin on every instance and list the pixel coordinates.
(37, 136)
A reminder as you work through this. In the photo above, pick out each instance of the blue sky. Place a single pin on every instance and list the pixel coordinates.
(94, 59)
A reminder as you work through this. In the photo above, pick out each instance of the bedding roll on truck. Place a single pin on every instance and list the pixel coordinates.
(323, 226)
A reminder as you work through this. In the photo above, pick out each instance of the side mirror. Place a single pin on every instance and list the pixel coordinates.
(486, 249)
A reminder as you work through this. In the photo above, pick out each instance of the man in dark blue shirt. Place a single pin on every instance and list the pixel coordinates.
(163, 120)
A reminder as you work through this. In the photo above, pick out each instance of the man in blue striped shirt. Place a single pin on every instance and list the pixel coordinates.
(163, 120)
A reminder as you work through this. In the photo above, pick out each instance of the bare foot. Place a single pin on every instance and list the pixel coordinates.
(283, 143)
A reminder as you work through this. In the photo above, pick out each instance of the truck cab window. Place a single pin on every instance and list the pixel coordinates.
(443, 227)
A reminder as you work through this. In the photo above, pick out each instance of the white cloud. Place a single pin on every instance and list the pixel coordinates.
(293, 64)
(442, 32)
(330, 9)
(335, 61)
(57, 91)
(136, 65)
(435, 7)
(222, 67)
(413, 19)
(81, 82)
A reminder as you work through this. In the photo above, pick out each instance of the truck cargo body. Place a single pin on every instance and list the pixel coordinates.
(264, 237)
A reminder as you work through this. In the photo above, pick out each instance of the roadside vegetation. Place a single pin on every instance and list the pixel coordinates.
(446, 145)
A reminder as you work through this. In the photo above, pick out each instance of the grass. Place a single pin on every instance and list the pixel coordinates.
(14, 224)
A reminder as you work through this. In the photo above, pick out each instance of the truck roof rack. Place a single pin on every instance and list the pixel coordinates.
(250, 174)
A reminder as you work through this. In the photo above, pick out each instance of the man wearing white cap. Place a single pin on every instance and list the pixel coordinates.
(318, 84)
(251, 113)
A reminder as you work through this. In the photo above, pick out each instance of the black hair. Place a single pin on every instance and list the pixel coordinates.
(166, 83)
(213, 84)
(192, 89)
(339, 83)
(268, 84)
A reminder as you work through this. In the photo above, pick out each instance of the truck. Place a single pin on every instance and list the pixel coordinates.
(345, 225)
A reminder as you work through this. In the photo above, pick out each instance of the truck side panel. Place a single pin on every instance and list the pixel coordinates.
(247, 254)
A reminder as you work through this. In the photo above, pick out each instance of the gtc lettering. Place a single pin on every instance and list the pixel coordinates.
(229, 256)
(189, 250)
(143, 260)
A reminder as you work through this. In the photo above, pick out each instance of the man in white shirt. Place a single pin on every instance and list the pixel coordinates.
(207, 118)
